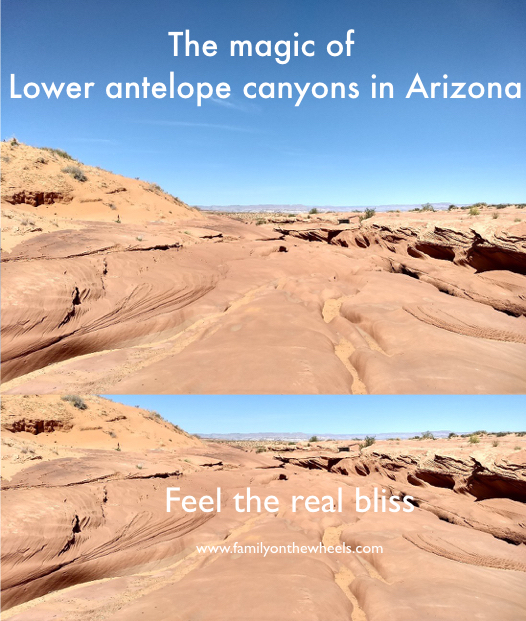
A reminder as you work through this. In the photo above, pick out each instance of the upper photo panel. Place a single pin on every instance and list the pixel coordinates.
(279, 197)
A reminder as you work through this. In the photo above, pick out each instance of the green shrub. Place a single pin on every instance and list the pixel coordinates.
(260, 221)
(76, 401)
(368, 213)
(474, 211)
(314, 439)
(427, 435)
(427, 207)
(495, 443)
(75, 172)
(452, 435)
(58, 152)
(261, 449)
(474, 439)
(313, 210)
(369, 441)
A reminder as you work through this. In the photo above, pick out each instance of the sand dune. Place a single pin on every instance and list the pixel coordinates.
(88, 535)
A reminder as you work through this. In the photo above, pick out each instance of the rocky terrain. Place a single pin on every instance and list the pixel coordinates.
(86, 534)
(110, 285)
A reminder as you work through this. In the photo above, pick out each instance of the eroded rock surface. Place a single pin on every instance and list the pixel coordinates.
(171, 300)
(88, 535)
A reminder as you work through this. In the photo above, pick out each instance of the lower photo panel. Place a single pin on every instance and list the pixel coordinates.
(225, 508)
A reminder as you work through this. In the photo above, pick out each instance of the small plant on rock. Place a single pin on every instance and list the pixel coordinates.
(368, 441)
(368, 213)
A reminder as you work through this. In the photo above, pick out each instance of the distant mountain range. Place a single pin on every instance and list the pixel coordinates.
(323, 208)
(299, 436)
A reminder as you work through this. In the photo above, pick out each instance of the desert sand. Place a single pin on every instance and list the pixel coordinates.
(86, 534)
(112, 286)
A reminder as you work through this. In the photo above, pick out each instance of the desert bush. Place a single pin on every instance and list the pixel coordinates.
(260, 221)
(75, 172)
(58, 152)
(474, 211)
(314, 439)
(427, 435)
(261, 449)
(368, 213)
(76, 401)
(452, 435)
(427, 207)
(451, 207)
(495, 215)
(516, 448)
(495, 443)
(313, 210)
(474, 439)
(501, 434)
(368, 441)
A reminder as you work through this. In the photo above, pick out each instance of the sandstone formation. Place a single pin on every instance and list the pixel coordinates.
(87, 535)
(166, 299)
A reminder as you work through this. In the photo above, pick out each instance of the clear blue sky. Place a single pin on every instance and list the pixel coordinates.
(324, 152)
(335, 414)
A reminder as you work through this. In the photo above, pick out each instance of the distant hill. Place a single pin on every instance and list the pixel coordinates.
(323, 208)
(322, 436)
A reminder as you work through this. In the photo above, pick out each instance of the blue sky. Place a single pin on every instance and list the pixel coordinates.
(335, 414)
(324, 152)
